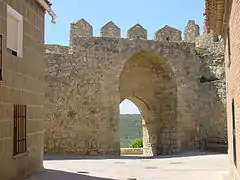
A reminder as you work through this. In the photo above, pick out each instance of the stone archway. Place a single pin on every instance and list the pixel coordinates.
(87, 82)
(143, 108)
(146, 79)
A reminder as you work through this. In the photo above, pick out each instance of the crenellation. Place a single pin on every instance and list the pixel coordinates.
(168, 34)
(80, 28)
(111, 30)
(137, 32)
(191, 31)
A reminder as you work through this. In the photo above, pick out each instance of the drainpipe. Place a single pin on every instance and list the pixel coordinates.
(48, 9)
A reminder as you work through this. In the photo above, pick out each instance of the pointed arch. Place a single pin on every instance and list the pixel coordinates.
(148, 81)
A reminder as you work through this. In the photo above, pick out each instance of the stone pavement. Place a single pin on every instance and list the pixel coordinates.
(188, 166)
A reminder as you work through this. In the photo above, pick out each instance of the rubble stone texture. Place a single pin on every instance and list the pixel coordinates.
(191, 31)
(86, 29)
(88, 80)
(137, 32)
(168, 33)
(110, 30)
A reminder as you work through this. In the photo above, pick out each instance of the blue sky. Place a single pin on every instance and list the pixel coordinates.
(151, 14)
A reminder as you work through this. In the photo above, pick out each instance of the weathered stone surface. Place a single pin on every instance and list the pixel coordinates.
(111, 30)
(22, 83)
(191, 31)
(168, 33)
(213, 71)
(87, 84)
(80, 28)
(137, 32)
(131, 151)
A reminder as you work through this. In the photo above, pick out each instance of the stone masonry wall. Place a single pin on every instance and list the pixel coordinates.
(137, 32)
(22, 83)
(168, 33)
(80, 28)
(213, 80)
(88, 81)
(110, 30)
(191, 31)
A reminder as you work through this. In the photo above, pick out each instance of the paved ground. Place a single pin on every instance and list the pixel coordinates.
(188, 166)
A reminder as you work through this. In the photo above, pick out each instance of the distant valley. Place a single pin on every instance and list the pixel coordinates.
(130, 128)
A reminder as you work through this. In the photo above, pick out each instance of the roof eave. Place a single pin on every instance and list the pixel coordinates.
(47, 7)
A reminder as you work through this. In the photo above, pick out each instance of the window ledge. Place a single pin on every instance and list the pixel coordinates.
(20, 155)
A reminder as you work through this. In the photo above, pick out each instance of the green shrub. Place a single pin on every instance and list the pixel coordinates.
(200, 50)
(137, 143)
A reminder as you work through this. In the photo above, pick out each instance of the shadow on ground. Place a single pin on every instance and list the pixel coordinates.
(48, 174)
(80, 157)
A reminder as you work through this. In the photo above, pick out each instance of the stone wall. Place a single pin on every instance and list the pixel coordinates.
(191, 31)
(110, 30)
(87, 83)
(22, 83)
(232, 55)
(131, 151)
(80, 28)
(168, 33)
(212, 80)
(137, 32)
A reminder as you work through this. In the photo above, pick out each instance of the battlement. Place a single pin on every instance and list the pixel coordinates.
(191, 31)
(81, 28)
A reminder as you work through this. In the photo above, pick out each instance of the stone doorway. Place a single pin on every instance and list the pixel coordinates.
(147, 80)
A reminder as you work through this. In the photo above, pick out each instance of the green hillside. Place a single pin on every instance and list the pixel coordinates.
(130, 128)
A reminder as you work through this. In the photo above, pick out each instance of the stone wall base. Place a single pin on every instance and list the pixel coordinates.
(131, 151)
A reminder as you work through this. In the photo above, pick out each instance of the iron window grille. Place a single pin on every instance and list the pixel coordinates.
(19, 129)
(1, 56)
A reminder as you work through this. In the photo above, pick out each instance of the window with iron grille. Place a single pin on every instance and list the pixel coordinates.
(1, 55)
(19, 129)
